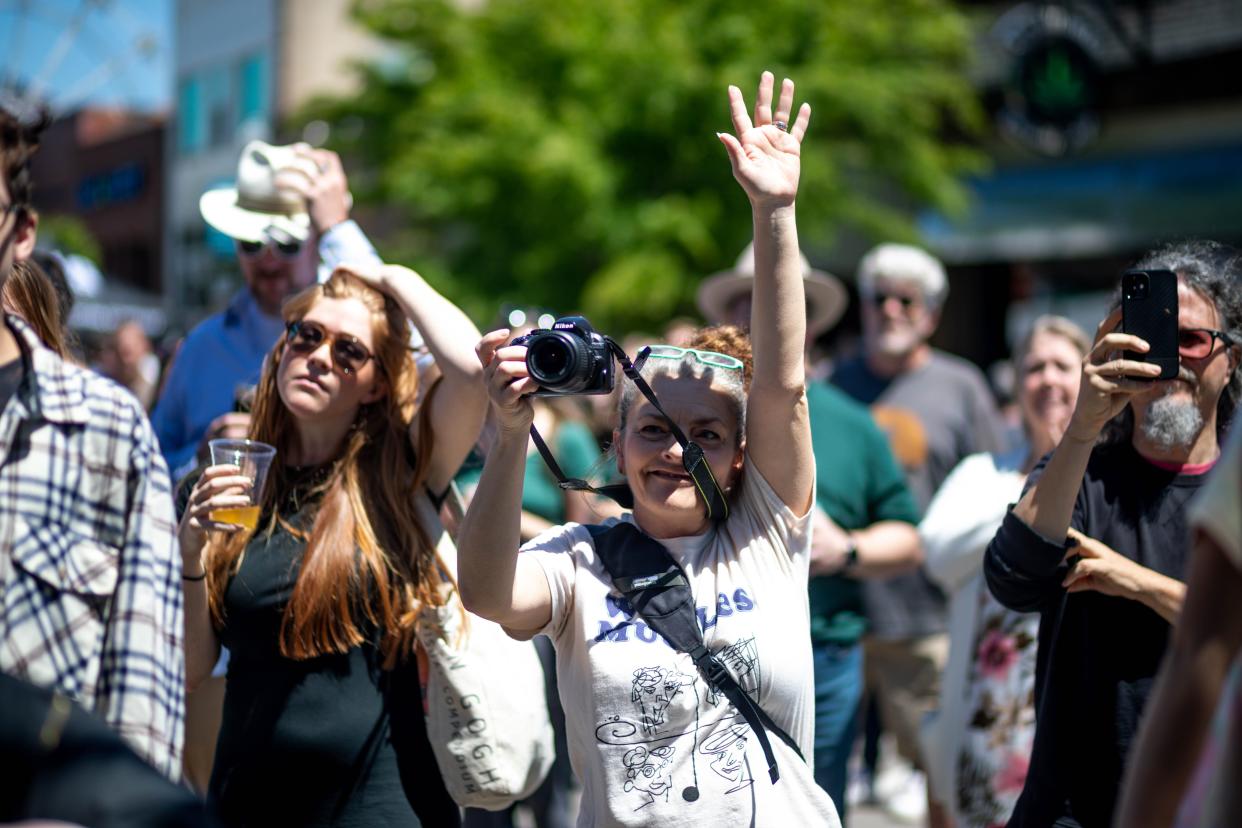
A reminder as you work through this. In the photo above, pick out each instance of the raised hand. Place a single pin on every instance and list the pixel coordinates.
(507, 380)
(320, 179)
(766, 159)
(1108, 379)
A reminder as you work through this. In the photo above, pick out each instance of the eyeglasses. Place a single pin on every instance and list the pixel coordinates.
(284, 249)
(711, 358)
(1199, 343)
(348, 353)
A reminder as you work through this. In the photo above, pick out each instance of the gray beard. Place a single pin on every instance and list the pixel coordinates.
(1172, 423)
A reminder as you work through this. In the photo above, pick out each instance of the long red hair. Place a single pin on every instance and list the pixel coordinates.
(367, 557)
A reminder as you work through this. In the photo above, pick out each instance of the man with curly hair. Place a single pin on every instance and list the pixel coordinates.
(1099, 542)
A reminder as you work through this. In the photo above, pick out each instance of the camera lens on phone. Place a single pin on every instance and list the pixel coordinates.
(1135, 286)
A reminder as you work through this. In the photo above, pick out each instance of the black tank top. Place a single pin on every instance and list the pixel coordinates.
(333, 740)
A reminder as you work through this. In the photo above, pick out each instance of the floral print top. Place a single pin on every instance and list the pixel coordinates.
(1000, 724)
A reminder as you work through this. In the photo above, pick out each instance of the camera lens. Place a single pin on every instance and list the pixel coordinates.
(559, 362)
(549, 360)
(1135, 285)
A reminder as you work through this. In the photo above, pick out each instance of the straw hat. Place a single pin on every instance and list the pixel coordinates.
(257, 205)
(825, 295)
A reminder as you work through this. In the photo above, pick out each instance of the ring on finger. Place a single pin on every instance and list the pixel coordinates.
(781, 125)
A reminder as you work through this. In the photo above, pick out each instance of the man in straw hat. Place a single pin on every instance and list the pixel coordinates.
(288, 215)
(936, 410)
(864, 518)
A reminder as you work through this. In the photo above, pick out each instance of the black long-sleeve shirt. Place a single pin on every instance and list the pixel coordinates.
(1098, 655)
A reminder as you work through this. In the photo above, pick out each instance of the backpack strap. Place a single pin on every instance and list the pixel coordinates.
(645, 573)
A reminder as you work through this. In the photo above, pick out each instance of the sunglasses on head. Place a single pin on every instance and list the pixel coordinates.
(1199, 343)
(711, 358)
(348, 354)
(285, 249)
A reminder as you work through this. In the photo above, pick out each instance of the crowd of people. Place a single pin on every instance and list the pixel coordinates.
(749, 572)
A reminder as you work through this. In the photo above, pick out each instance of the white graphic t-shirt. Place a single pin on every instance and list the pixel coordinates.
(650, 741)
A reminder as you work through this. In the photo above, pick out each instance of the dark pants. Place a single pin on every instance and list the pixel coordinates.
(838, 691)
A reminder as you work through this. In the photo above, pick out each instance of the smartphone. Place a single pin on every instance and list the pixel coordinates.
(1149, 311)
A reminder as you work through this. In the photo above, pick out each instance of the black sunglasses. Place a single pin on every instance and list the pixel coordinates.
(879, 299)
(348, 353)
(285, 249)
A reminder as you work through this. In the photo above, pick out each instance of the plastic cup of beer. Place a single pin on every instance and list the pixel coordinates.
(254, 459)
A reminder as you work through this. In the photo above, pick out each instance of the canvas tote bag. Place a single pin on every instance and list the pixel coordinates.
(487, 719)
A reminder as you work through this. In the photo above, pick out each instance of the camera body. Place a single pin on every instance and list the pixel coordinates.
(569, 358)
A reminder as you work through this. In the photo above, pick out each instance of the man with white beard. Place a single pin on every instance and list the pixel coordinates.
(1098, 543)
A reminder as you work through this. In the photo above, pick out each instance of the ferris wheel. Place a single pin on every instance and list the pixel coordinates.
(63, 53)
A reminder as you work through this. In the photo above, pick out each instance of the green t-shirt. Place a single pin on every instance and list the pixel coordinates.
(858, 483)
(576, 451)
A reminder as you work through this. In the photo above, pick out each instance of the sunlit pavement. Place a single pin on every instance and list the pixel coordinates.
(866, 816)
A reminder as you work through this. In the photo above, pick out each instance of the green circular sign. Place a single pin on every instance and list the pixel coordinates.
(1058, 82)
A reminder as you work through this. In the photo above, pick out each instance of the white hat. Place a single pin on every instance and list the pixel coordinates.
(258, 205)
(826, 298)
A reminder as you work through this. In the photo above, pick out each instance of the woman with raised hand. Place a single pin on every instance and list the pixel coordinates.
(323, 723)
(650, 740)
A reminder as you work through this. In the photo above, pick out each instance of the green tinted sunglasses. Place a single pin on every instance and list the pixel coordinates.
(711, 358)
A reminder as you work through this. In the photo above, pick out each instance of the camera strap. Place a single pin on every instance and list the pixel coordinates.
(692, 458)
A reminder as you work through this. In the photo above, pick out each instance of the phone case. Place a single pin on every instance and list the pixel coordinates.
(1153, 318)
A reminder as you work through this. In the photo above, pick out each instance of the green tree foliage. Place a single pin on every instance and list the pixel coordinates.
(563, 152)
(70, 235)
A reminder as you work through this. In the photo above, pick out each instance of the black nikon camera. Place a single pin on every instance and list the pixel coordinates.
(568, 358)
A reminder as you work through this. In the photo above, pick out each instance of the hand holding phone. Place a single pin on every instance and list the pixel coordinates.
(1149, 311)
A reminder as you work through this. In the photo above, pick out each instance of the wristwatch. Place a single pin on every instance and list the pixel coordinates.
(851, 554)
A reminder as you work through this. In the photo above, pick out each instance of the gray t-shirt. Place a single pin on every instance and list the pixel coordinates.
(934, 416)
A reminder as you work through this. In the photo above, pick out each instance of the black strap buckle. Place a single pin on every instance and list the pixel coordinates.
(713, 671)
(716, 673)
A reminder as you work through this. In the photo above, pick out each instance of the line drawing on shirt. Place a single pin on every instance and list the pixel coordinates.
(652, 725)
(653, 690)
(728, 751)
(648, 769)
(645, 772)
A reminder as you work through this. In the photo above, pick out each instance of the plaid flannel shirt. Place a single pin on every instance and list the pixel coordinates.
(90, 573)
